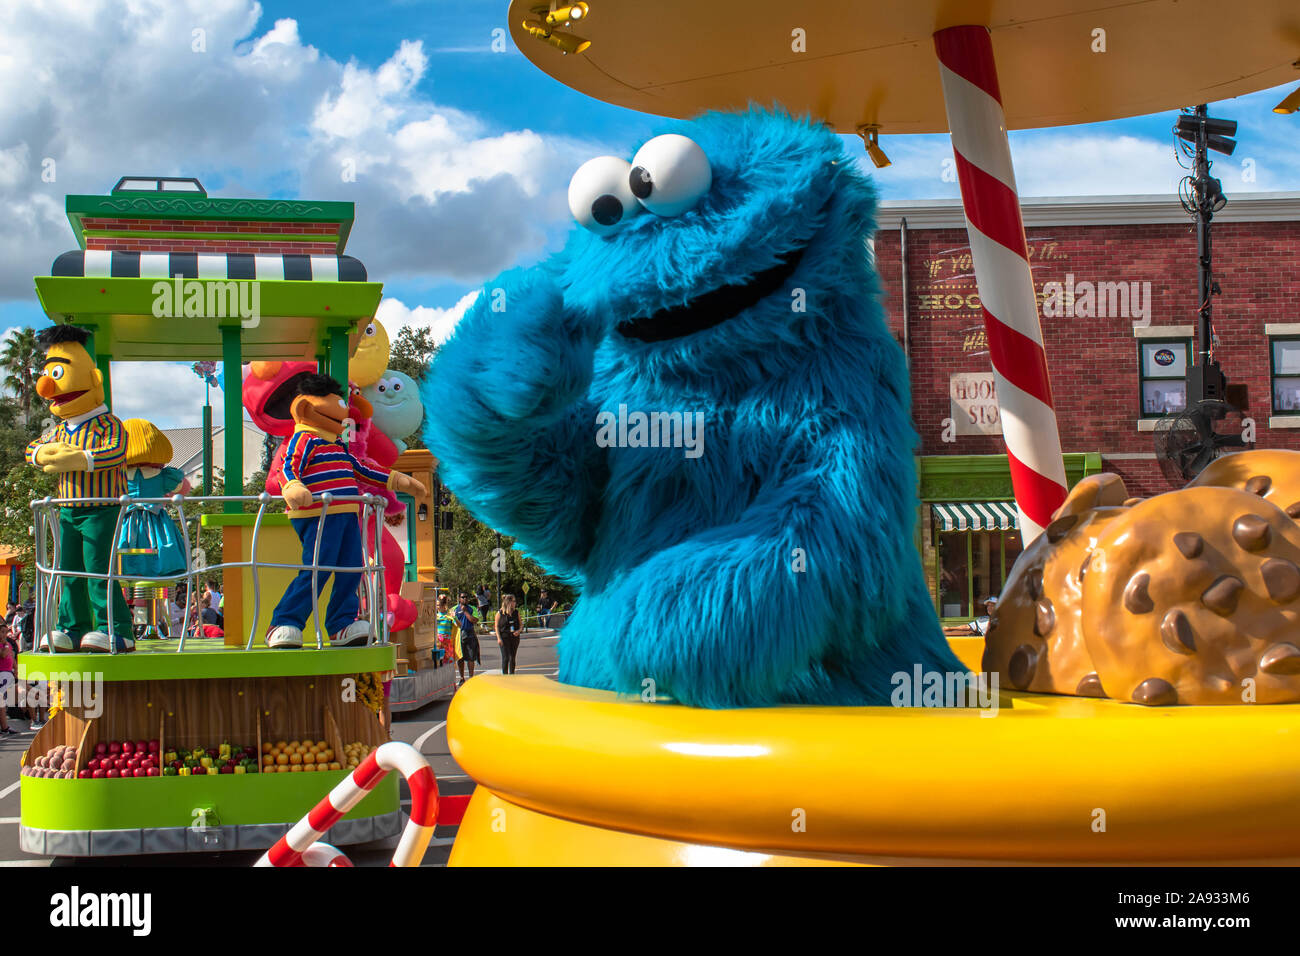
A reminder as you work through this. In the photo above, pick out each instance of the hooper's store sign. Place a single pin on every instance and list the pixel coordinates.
(973, 400)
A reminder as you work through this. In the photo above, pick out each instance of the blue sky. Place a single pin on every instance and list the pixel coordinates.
(464, 154)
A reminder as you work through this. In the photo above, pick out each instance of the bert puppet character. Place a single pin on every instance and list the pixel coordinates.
(316, 462)
(88, 452)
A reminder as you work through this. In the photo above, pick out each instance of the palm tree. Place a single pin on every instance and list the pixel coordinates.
(21, 353)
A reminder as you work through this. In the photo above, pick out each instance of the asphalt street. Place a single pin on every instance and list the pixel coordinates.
(425, 729)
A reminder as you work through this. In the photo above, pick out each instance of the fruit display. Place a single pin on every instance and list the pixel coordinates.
(370, 691)
(57, 763)
(199, 761)
(299, 756)
(354, 753)
(123, 758)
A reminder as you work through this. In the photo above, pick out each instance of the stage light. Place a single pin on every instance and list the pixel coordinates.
(1290, 104)
(1217, 132)
(562, 15)
(564, 42)
(870, 134)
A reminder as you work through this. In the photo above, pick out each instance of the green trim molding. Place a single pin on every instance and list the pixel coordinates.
(986, 477)
(155, 205)
(152, 802)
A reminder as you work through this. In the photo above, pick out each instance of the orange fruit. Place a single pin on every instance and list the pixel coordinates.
(309, 759)
(295, 758)
(335, 765)
(282, 760)
(266, 747)
(281, 744)
(296, 768)
(268, 760)
(283, 768)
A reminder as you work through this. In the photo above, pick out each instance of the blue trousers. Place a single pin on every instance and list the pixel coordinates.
(340, 544)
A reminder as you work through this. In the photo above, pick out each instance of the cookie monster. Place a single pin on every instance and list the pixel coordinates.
(696, 412)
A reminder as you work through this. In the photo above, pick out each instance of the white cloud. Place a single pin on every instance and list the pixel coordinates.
(137, 387)
(396, 315)
(438, 193)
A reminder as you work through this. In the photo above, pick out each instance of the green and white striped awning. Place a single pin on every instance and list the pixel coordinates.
(976, 516)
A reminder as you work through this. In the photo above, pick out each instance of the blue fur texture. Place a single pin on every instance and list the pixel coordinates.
(778, 567)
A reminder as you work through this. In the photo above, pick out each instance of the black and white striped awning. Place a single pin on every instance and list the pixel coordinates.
(976, 516)
(205, 265)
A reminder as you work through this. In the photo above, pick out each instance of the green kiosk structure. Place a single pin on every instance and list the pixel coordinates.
(166, 273)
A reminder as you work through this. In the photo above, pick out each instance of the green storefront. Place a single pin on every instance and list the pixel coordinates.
(967, 529)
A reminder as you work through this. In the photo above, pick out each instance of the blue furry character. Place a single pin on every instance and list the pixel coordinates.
(696, 412)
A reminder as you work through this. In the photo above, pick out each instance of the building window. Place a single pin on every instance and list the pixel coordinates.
(1286, 375)
(1162, 375)
(972, 566)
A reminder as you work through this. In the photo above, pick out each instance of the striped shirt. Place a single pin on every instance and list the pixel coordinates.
(100, 435)
(325, 465)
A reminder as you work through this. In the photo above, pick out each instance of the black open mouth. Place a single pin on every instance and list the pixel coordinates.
(712, 308)
(277, 403)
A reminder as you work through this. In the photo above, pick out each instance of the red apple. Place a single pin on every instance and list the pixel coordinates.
(198, 771)
(114, 773)
(99, 774)
(115, 747)
(154, 772)
(101, 748)
(140, 772)
(128, 747)
(142, 746)
(84, 775)
(154, 747)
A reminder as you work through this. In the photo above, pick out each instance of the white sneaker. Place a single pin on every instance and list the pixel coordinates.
(284, 636)
(358, 632)
(62, 641)
(98, 642)
(35, 726)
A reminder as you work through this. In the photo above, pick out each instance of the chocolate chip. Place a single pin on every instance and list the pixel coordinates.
(1281, 658)
(1044, 618)
(1034, 583)
(1251, 532)
(1281, 579)
(1176, 632)
(1221, 596)
(1259, 484)
(1021, 667)
(1059, 528)
(1136, 599)
(1155, 692)
(1089, 686)
(1189, 543)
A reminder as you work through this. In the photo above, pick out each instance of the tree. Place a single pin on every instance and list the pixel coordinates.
(17, 362)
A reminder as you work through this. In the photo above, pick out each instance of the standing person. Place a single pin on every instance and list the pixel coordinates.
(446, 640)
(507, 628)
(87, 450)
(8, 680)
(544, 605)
(484, 602)
(469, 650)
(213, 595)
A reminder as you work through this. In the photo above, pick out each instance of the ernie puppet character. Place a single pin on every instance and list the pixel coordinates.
(87, 450)
(316, 462)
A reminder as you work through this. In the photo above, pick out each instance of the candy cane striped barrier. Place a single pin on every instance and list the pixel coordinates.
(406, 760)
(322, 854)
(1006, 286)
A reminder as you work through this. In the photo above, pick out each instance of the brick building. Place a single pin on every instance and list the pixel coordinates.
(1116, 281)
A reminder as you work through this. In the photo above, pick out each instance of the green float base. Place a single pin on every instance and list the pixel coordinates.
(212, 800)
(206, 658)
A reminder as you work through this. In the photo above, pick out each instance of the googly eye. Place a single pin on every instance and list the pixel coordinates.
(600, 197)
(56, 373)
(381, 386)
(370, 329)
(397, 385)
(670, 174)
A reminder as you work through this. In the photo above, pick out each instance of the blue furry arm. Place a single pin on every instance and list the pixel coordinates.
(509, 421)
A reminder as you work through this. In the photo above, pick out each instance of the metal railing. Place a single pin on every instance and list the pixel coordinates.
(49, 575)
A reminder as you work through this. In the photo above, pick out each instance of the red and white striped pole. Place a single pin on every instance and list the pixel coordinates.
(300, 845)
(1006, 286)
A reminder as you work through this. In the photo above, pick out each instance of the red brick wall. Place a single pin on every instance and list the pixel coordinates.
(1094, 361)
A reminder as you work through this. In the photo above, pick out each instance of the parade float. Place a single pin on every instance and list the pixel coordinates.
(1138, 697)
(206, 742)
